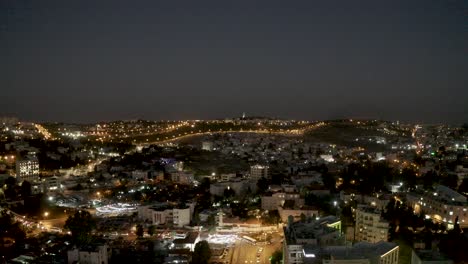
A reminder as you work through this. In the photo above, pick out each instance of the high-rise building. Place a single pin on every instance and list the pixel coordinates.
(370, 226)
(27, 169)
(258, 171)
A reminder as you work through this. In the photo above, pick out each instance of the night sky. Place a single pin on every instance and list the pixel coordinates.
(100, 60)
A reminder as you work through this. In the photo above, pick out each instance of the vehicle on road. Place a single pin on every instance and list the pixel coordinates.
(249, 240)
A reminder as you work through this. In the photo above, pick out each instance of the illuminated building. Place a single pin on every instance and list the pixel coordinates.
(299, 237)
(90, 254)
(27, 169)
(182, 177)
(52, 183)
(443, 205)
(369, 225)
(188, 241)
(207, 145)
(258, 171)
(164, 213)
(238, 185)
(275, 200)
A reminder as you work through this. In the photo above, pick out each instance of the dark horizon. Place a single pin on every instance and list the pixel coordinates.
(88, 61)
(232, 117)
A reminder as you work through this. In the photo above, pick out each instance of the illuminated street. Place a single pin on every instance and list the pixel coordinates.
(233, 132)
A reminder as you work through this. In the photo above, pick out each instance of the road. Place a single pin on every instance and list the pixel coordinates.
(244, 252)
(287, 132)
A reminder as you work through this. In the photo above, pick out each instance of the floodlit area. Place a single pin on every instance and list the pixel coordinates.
(116, 209)
(227, 239)
(68, 201)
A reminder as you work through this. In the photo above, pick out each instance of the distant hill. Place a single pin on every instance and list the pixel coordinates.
(357, 133)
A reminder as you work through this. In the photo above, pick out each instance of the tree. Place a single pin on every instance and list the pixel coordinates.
(229, 192)
(408, 175)
(10, 191)
(10, 229)
(25, 189)
(451, 181)
(202, 253)
(347, 216)
(329, 181)
(429, 179)
(463, 188)
(303, 217)
(139, 231)
(205, 184)
(137, 196)
(277, 257)
(262, 185)
(80, 225)
(211, 221)
(196, 217)
(10, 181)
(273, 217)
(151, 230)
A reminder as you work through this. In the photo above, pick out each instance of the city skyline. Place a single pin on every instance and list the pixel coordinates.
(111, 60)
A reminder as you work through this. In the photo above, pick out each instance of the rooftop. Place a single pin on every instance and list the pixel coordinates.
(369, 209)
(361, 250)
(191, 238)
(310, 230)
(430, 255)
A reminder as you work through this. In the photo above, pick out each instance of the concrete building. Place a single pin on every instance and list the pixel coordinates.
(238, 185)
(360, 253)
(370, 227)
(179, 165)
(182, 177)
(227, 176)
(429, 257)
(166, 214)
(52, 184)
(259, 171)
(27, 169)
(91, 254)
(313, 235)
(443, 205)
(207, 145)
(272, 201)
(289, 208)
(139, 175)
(187, 242)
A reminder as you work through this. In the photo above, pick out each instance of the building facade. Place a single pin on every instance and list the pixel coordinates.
(165, 214)
(443, 205)
(360, 253)
(429, 257)
(274, 200)
(259, 171)
(92, 254)
(314, 234)
(27, 169)
(370, 226)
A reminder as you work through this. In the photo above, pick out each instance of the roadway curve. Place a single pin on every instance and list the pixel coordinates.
(294, 132)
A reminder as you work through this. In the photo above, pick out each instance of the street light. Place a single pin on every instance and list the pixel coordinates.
(46, 214)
